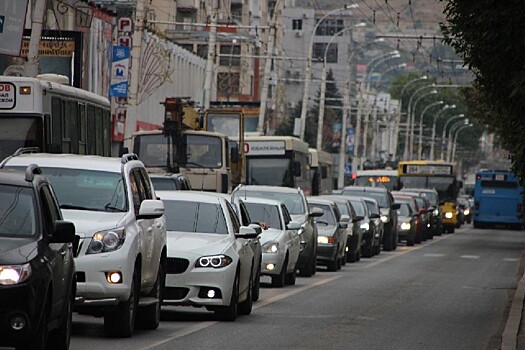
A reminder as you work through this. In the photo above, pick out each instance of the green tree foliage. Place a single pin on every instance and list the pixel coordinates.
(488, 35)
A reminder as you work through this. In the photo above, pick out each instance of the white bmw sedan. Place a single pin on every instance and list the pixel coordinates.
(209, 259)
(280, 241)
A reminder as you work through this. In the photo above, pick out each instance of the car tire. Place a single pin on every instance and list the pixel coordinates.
(368, 251)
(351, 256)
(358, 255)
(411, 241)
(41, 335)
(148, 317)
(290, 278)
(120, 322)
(278, 281)
(344, 258)
(245, 307)
(61, 338)
(339, 263)
(309, 268)
(388, 243)
(229, 313)
(257, 284)
(332, 265)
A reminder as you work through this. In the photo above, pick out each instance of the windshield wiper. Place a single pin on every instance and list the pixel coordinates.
(322, 222)
(78, 207)
(111, 208)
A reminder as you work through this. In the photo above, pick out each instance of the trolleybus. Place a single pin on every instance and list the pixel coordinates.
(52, 116)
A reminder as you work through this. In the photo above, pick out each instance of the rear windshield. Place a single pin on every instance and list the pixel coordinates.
(327, 218)
(358, 207)
(293, 201)
(265, 213)
(380, 197)
(186, 216)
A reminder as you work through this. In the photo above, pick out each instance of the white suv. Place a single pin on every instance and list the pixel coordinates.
(121, 259)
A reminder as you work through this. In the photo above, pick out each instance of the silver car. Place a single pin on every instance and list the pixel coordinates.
(280, 241)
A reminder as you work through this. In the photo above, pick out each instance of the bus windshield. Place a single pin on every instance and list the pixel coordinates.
(444, 185)
(20, 131)
(386, 181)
(269, 171)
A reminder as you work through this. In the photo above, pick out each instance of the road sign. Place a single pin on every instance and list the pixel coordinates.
(119, 72)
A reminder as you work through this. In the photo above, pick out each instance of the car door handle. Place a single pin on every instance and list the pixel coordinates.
(159, 225)
(150, 229)
(63, 253)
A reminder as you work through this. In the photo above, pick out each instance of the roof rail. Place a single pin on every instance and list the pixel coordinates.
(128, 157)
(31, 171)
(25, 150)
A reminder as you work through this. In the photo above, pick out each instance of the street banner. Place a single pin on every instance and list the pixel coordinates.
(12, 20)
(350, 140)
(119, 72)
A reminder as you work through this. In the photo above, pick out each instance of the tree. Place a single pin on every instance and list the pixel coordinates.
(488, 35)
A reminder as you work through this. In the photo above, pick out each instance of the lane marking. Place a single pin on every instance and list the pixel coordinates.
(260, 304)
(511, 259)
(431, 255)
(469, 257)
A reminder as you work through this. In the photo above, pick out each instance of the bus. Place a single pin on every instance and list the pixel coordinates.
(436, 175)
(277, 161)
(53, 117)
(376, 178)
(321, 172)
(498, 199)
(205, 157)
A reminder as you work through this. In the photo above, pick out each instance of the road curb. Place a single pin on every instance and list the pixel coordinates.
(509, 338)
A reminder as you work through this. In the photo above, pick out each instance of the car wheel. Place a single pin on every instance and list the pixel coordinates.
(388, 243)
(120, 322)
(411, 240)
(332, 265)
(344, 258)
(257, 284)
(452, 229)
(358, 255)
(41, 336)
(62, 336)
(367, 250)
(229, 313)
(309, 268)
(279, 280)
(245, 307)
(148, 317)
(339, 263)
(291, 277)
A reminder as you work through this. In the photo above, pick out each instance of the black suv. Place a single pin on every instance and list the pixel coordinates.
(170, 182)
(37, 283)
(388, 210)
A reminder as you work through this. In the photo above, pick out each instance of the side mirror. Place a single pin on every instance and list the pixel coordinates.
(246, 232)
(296, 168)
(63, 232)
(423, 211)
(396, 206)
(123, 150)
(316, 212)
(293, 225)
(431, 208)
(343, 221)
(357, 218)
(375, 216)
(256, 227)
(151, 209)
(234, 154)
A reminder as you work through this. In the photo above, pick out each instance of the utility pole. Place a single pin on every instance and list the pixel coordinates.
(212, 42)
(342, 143)
(37, 20)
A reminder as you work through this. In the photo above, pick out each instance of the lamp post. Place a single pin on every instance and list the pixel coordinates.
(320, 120)
(450, 136)
(380, 59)
(433, 141)
(308, 71)
(443, 142)
(461, 128)
(409, 109)
(412, 122)
(420, 146)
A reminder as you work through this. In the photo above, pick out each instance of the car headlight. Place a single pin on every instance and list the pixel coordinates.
(365, 226)
(448, 215)
(466, 212)
(384, 218)
(405, 226)
(14, 274)
(214, 261)
(106, 241)
(436, 212)
(325, 239)
(270, 247)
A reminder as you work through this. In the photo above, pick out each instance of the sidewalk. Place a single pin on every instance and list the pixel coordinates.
(513, 337)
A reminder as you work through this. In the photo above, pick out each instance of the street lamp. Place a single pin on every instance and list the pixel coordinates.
(420, 146)
(451, 133)
(461, 128)
(411, 110)
(320, 120)
(308, 71)
(380, 59)
(433, 141)
(443, 142)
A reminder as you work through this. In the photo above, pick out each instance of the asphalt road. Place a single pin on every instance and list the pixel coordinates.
(452, 292)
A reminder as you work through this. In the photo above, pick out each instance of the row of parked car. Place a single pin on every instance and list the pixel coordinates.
(97, 236)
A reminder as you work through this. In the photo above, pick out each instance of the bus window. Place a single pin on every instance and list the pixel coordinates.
(91, 130)
(106, 127)
(56, 123)
(71, 127)
(269, 171)
(82, 129)
(19, 132)
(99, 131)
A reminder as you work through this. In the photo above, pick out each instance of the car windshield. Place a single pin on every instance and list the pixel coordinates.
(165, 184)
(88, 189)
(358, 207)
(372, 207)
(432, 197)
(380, 197)
(404, 210)
(328, 216)
(190, 216)
(17, 212)
(343, 209)
(293, 201)
(266, 213)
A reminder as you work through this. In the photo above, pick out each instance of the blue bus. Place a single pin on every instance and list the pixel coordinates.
(498, 199)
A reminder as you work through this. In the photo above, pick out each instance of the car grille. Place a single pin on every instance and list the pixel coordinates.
(177, 265)
(175, 293)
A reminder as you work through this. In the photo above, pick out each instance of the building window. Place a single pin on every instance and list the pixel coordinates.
(329, 27)
(228, 60)
(202, 51)
(297, 24)
(331, 55)
(228, 83)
